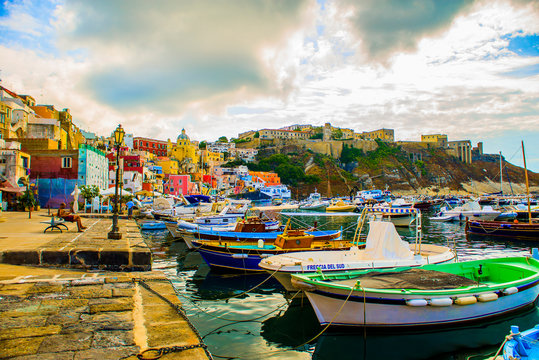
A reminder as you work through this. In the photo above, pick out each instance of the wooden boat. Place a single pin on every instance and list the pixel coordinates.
(384, 249)
(522, 345)
(245, 255)
(516, 230)
(250, 226)
(442, 294)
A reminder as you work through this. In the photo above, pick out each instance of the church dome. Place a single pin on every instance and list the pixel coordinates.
(183, 136)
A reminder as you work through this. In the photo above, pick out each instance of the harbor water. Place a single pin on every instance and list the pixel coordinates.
(249, 316)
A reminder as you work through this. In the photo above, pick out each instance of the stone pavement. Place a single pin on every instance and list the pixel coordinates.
(74, 309)
(92, 316)
(22, 241)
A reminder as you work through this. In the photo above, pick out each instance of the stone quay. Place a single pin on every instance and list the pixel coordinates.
(78, 295)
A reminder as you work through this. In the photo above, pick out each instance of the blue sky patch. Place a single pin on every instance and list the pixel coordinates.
(527, 45)
(524, 71)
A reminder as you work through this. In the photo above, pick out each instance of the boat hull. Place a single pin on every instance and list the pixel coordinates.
(392, 311)
(521, 231)
(244, 258)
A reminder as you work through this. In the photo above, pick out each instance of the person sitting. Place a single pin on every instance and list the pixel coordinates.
(68, 216)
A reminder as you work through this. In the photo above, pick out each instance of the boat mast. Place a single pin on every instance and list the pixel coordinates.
(527, 185)
(501, 174)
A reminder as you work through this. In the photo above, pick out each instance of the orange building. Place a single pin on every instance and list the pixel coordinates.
(269, 178)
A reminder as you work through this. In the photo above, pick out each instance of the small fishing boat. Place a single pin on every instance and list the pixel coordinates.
(152, 225)
(522, 345)
(442, 218)
(441, 294)
(245, 255)
(251, 226)
(384, 249)
(314, 203)
(516, 230)
(471, 210)
(400, 216)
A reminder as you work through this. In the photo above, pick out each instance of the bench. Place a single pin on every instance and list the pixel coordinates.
(55, 223)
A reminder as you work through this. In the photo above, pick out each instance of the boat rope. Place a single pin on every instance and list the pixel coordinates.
(256, 286)
(329, 324)
(156, 353)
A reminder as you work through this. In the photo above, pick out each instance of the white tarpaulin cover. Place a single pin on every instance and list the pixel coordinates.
(383, 242)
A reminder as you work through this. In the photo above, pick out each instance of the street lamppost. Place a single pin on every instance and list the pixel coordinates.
(118, 139)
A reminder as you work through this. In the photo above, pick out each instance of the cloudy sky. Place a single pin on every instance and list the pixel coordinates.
(468, 69)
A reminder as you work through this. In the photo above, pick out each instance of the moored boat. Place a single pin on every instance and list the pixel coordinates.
(522, 345)
(515, 229)
(384, 249)
(340, 206)
(442, 294)
(245, 255)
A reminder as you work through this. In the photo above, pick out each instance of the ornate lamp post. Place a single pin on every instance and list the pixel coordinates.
(118, 139)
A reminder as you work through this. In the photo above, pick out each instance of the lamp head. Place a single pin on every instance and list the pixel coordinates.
(119, 135)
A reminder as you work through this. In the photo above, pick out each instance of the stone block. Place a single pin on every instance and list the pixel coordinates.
(66, 342)
(29, 332)
(92, 291)
(39, 288)
(117, 279)
(85, 258)
(65, 318)
(114, 304)
(171, 334)
(114, 258)
(108, 353)
(65, 303)
(18, 347)
(112, 338)
(161, 313)
(20, 257)
(119, 292)
(141, 258)
(55, 257)
(48, 356)
(15, 289)
(22, 322)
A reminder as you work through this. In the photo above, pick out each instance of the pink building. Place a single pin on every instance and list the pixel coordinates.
(177, 184)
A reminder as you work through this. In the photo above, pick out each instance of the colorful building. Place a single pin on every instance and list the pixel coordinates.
(387, 135)
(56, 172)
(267, 178)
(156, 147)
(266, 134)
(14, 163)
(462, 149)
(185, 152)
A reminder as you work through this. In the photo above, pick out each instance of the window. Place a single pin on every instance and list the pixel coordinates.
(2, 118)
(67, 162)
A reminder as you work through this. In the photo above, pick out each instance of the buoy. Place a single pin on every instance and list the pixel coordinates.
(260, 243)
(465, 300)
(239, 256)
(441, 302)
(416, 302)
(510, 291)
(487, 297)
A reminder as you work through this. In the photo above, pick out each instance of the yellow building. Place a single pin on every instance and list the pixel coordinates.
(211, 159)
(5, 120)
(387, 135)
(169, 166)
(185, 152)
(439, 139)
(283, 134)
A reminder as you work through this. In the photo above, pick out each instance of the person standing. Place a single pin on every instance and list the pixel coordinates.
(130, 204)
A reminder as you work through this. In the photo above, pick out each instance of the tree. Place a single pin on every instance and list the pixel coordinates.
(202, 145)
(257, 135)
(337, 134)
(223, 139)
(89, 192)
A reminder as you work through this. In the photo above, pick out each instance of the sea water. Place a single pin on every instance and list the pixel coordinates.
(248, 316)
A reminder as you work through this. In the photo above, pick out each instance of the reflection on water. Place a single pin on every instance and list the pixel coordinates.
(241, 319)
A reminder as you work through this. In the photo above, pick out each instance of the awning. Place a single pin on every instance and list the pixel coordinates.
(7, 186)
